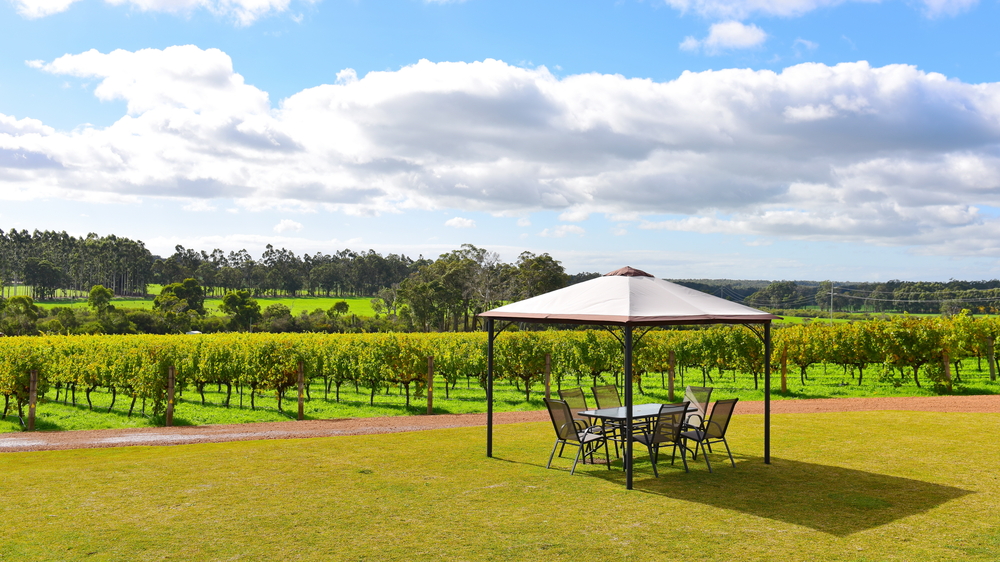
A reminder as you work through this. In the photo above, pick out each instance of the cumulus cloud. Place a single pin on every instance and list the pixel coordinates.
(727, 35)
(34, 9)
(243, 12)
(562, 230)
(742, 9)
(886, 155)
(459, 222)
(287, 225)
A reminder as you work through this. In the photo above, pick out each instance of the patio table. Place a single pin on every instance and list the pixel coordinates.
(642, 415)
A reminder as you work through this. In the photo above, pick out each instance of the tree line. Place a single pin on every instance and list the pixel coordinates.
(915, 297)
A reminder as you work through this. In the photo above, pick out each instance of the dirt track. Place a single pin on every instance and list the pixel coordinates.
(43, 441)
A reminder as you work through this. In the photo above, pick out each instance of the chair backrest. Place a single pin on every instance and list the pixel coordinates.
(576, 400)
(607, 396)
(698, 396)
(562, 419)
(722, 412)
(669, 423)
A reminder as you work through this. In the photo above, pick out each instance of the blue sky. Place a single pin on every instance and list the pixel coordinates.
(765, 139)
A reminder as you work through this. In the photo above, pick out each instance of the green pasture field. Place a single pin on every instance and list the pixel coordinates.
(828, 381)
(805, 319)
(857, 487)
(361, 306)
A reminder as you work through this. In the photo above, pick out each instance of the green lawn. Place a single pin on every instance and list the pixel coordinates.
(358, 305)
(836, 490)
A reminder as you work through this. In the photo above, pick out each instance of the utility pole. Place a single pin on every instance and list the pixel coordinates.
(831, 303)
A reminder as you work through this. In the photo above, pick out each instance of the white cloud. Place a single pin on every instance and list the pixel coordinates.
(562, 230)
(203, 206)
(939, 8)
(523, 221)
(727, 35)
(800, 42)
(243, 12)
(459, 222)
(888, 155)
(742, 9)
(287, 225)
(33, 9)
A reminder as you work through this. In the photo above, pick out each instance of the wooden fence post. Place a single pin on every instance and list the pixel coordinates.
(784, 370)
(991, 357)
(671, 369)
(302, 387)
(548, 375)
(430, 384)
(32, 399)
(171, 381)
(947, 371)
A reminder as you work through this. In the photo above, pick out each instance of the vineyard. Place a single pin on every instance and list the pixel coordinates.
(127, 375)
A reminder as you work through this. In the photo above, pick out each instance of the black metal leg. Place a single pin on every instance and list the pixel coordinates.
(576, 459)
(703, 452)
(726, 443)
(556, 444)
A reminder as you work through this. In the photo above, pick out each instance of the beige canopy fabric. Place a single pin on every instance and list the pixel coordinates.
(629, 296)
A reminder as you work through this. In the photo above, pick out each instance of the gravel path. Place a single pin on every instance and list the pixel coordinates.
(54, 440)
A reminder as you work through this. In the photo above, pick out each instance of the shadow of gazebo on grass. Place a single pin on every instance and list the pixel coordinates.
(831, 499)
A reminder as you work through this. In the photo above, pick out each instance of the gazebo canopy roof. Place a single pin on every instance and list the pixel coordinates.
(629, 296)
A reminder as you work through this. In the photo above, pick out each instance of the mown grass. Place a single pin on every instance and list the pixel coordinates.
(360, 306)
(825, 381)
(841, 487)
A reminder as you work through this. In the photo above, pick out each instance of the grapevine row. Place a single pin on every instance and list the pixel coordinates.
(134, 368)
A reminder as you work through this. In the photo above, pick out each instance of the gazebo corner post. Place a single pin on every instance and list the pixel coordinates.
(767, 392)
(628, 407)
(489, 388)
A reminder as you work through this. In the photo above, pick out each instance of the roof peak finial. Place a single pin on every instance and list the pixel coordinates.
(628, 271)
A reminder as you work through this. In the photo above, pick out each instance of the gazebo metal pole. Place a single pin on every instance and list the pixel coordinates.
(489, 388)
(628, 407)
(767, 392)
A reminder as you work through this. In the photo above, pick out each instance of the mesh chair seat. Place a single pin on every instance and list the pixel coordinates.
(577, 401)
(665, 429)
(699, 397)
(607, 396)
(713, 430)
(587, 440)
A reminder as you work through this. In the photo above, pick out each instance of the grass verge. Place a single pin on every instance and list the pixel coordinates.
(835, 491)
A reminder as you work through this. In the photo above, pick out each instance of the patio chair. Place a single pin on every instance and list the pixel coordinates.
(698, 396)
(577, 402)
(713, 430)
(607, 396)
(586, 440)
(665, 429)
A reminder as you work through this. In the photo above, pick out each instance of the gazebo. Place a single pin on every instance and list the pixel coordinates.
(627, 299)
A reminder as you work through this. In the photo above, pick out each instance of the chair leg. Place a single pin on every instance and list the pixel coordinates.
(683, 457)
(726, 443)
(705, 454)
(576, 459)
(553, 453)
(607, 458)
